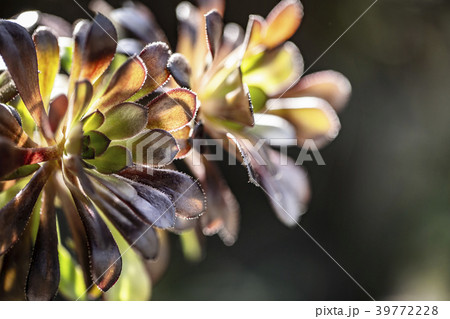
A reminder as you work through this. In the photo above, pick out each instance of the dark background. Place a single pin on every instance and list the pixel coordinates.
(381, 205)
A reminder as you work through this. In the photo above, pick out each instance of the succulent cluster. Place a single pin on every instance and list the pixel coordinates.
(90, 126)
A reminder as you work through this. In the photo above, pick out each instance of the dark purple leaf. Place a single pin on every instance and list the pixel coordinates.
(14, 268)
(14, 157)
(98, 49)
(137, 233)
(18, 52)
(180, 70)
(15, 214)
(153, 147)
(186, 193)
(8, 89)
(139, 21)
(104, 255)
(149, 204)
(214, 31)
(77, 231)
(222, 215)
(43, 276)
(11, 129)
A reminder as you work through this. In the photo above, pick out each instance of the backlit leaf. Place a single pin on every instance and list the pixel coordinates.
(113, 160)
(124, 121)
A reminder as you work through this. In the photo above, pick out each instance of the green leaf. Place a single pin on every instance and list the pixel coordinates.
(258, 98)
(7, 195)
(28, 124)
(88, 153)
(71, 284)
(22, 172)
(66, 51)
(273, 71)
(98, 141)
(93, 121)
(134, 282)
(113, 160)
(191, 246)
(124, 121)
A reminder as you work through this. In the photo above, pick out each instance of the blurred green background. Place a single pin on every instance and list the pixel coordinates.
(381, 205)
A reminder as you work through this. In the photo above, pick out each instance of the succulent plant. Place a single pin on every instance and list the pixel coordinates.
(90, 140)
(251, 89)
(86, 164)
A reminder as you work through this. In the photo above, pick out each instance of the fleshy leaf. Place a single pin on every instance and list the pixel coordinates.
(214, 31)
(126, 81)
(228, 98)
(180, 70)
(147, 203)
(184, 141)
(57, 110)
(93, 121)
(137, 233)
(15, 214)
(47, 51)
(98, 141)
(134, 283)
(273, 71)
(8, 89)
(11, 129)
(78, 234)
(99, 48)
(312, 117)
(152, 147)
(233, 37)
(124, 121)
(284, 182)
(43, 276)
(14, 157)
(21, 172)
(15, 263)
(165, 217)
(88, 153)
(105, 260)
(155, 57)
(18, 52)
(139, 20)
(191, 245)
(208, 5)
(258, 97)
(185, 192)
(222, 215)
(282, 22)
(172, 110)
(81, 99)
(112, 160)
(273, 128)
(288, 189)
(254, 33)
(188, 21)
(80, 32)
(329, 85)
(71, 283)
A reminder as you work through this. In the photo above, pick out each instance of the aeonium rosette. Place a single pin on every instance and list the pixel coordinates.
(87, 160)
(251, 89)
